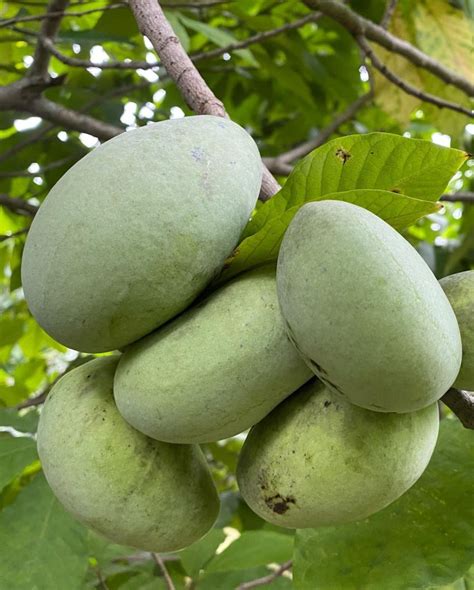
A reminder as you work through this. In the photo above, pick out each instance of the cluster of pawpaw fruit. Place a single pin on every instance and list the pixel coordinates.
(335, 359)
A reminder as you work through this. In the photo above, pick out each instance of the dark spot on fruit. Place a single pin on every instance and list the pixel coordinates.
(279, 504)
(327, 403)
(343, 155)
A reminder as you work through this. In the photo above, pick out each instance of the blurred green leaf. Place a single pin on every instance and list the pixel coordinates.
(16, 453)
(48, 550)
(251, 549)
(195, 557)
(426, 538)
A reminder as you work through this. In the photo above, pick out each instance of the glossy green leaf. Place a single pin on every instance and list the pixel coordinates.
(16, 453)
(263, 246)
(27, 421)
(195, 557)
(49, 548)
(251, 549)
(426, 538)
(412, 167)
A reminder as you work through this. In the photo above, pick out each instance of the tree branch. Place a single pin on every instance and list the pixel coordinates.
(359, 26)
(161, 564)
(266, 579)
(16, 205)
(387, 16)
(462, 404)
(218, 51)
(196, 93)
(408, 88)
(461, 196)
(57, 13)
(61, 115)
(49, 29)
(20, 232)
(281, 164)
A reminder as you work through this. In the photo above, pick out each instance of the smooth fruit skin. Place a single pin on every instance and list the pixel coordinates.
(364, 309)
(459, 289)
(131, 489)
(318, 460)
(215, 370)
(134, 231)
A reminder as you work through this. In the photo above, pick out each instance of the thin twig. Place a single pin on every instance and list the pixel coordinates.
(408, 88)
(20, 232)
(45, 168)
(100, 577)
(266, 579)
(16, 205)
(359, 26)
(153, 23)
(33, 138)
(56, 13)
(281, 164)
(387, 16)
(461, 196)
(202, 55)
(161, 564)
(462, 404)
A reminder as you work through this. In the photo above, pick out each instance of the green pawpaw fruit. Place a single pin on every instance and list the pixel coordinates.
(459, 289)
(364, 309)
(134, 231)
(215, 370)
(317, 459)
(133, 490)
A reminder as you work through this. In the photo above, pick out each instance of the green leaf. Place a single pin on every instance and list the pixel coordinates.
(195, 557)
(232, 580)
(397, 178)
(26, 422)
(217, 36)
(413, 167)
(43, 548)
(11, 329)
(16, 453)
(398, 210)
(424, 539)
(251, 549)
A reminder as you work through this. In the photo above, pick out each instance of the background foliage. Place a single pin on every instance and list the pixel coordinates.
(286, 89)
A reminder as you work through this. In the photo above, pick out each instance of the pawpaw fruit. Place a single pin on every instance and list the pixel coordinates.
(135, 230)
(365, 310)
(318, 460)
(214, 371)
(130, 488)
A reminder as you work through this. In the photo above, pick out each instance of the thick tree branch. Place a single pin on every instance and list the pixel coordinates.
(196, 93)
(16, 205)
(61, 115)
(359, 26)
(281, 164)
(266, 579)
(462, 404)
(408, 88)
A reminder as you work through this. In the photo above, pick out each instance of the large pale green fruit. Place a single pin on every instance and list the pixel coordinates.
(214, 371)
(132, 489)
(364, 309)
(135, 230)
(319, 460)
(459, 289)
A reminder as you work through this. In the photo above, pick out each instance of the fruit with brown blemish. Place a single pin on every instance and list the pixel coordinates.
(317, 459)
